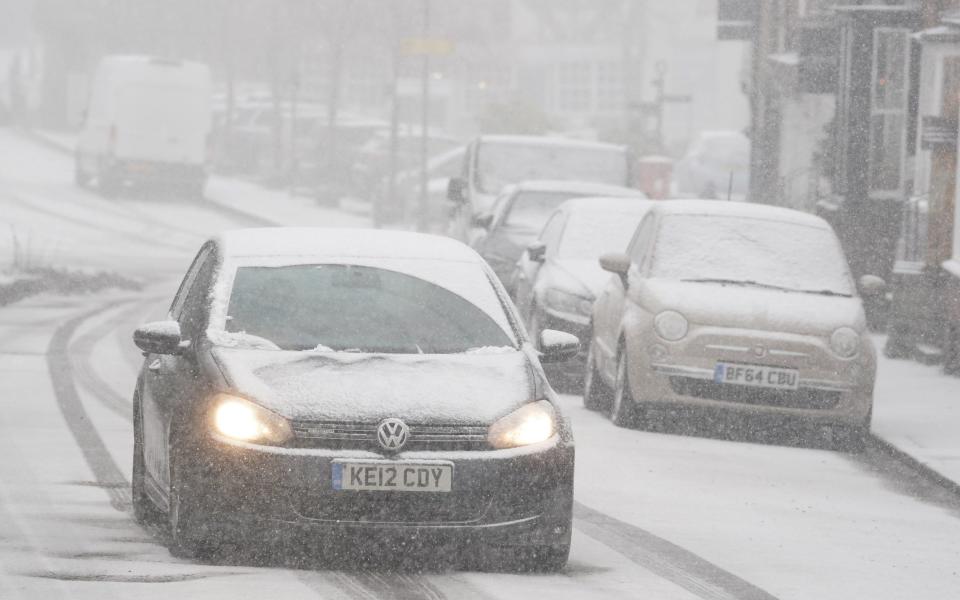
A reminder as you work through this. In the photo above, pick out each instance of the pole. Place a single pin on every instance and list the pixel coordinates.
(392, 200)
(425, 124)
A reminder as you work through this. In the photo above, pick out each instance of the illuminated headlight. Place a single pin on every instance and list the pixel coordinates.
(845, 342)
(240, 419)
(566, 302)
(530, 424)
(671, 325)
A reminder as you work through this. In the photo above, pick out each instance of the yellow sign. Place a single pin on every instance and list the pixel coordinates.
(426, 47)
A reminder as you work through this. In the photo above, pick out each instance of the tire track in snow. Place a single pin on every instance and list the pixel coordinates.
(81, 353)
(665, 559)
(95, 452)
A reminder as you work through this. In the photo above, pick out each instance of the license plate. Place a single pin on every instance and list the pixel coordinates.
(392, 476)
(756, 376)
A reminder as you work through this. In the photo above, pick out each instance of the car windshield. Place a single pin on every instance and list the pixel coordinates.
(751, 251)
(352, 308)
(499, 165)
(530, 210)
(588, 234)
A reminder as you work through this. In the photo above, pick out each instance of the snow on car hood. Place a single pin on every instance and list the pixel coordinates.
(752, 307)
(587, 273)
(451, 388)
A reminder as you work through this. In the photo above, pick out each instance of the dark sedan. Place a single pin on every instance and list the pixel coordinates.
(521, 212)
(351, 383)
(559, 276)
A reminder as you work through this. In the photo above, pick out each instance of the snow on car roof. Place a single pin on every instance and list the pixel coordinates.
(320, 242)
(607, 204)
(536, 140)
(738, 209)
(577, 187)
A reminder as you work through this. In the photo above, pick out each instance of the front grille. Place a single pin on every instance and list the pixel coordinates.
(340, 435)
(741, 394)
(393, 507)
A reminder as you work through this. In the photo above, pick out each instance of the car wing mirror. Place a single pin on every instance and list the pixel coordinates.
(457, 190)
(160, 337)
(483, 221)
(617, 263)
(537, 251)
(872, 286)
(558, 346)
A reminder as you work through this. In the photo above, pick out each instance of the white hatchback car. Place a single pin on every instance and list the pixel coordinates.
(742, 307)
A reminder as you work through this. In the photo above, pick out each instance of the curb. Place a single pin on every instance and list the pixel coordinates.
(929, 473)
(43, 140)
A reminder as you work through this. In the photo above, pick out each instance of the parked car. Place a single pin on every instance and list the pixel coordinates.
(521, 211)
(345, 382)
(716, 165)
(493, 162)
(440, 169)
(372, 160)
(558, 277)
(738, 307)
(148, 122)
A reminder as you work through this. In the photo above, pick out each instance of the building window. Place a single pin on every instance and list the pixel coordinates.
(574, 87)
(888, 111)
(610, 92)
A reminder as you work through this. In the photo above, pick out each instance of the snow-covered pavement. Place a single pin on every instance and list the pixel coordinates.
(658, 515)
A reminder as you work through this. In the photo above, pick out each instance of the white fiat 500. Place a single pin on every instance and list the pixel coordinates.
(734, 306)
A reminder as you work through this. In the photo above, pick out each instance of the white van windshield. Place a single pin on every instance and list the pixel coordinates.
(502, 164)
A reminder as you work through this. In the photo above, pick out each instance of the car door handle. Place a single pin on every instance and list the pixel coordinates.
(155, 365)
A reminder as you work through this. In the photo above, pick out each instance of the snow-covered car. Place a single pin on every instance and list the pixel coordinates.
(558, 277)
(493, 162)
(731, 306)
(351, 382)
(716, 165)
(521, 211)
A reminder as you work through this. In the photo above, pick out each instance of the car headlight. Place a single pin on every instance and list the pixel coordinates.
(240, 419)
(529, 424)
(845, 342)
(671, 325)
(566, 302)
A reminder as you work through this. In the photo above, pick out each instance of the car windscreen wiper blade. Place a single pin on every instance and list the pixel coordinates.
(745, 282)
(826, 293)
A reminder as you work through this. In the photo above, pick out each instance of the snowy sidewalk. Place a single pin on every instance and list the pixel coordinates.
(916, 409)
(262, 205)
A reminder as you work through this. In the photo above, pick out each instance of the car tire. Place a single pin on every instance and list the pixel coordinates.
(144, 511)
(190, 535)
(596, 394)
(623, 410)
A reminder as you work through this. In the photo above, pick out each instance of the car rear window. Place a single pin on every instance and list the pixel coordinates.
(353, 308)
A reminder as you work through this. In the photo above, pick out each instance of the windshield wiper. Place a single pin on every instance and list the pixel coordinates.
(744, 282)
(752, 283)
(825, 293)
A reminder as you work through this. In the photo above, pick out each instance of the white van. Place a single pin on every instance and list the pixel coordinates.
(148, 121)
(495, 161)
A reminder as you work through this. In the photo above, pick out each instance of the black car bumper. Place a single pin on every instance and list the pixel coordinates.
(513, 497)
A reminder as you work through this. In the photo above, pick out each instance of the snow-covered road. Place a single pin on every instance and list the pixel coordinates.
(658, 515)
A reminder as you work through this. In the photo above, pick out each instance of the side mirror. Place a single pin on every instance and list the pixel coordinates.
(558, 346)
(617, 263)
(537, 251)
(872, 286)
(160, 337)
(457, 190)
(483, 221)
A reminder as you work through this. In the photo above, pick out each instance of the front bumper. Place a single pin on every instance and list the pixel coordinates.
(830, 389)
(502, 497)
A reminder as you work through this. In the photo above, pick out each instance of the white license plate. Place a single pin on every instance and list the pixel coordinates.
(392, 476)
(756, 376)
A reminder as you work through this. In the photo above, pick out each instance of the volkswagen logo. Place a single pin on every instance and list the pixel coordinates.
(392, 434)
